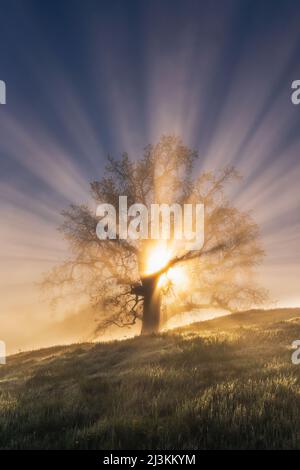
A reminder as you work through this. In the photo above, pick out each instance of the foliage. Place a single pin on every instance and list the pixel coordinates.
(110, 273)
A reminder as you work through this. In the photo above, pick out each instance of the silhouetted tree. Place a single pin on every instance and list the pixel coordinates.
(113, 273)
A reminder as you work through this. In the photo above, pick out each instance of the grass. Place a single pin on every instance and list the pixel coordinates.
(222, 384)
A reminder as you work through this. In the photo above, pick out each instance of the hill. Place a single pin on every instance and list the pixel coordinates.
(223, 383)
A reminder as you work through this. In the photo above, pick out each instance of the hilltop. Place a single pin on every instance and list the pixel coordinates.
(222, 383)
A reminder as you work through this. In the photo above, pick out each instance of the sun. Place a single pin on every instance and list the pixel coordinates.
(176, 276)
(158, 258)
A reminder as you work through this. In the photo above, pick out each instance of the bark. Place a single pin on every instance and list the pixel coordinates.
(152, 303)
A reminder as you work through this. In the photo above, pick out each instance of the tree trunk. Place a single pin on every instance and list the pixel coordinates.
(151, 308)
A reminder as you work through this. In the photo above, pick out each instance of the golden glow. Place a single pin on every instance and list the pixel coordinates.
(177, 276)
(157, 258)
(187, 318)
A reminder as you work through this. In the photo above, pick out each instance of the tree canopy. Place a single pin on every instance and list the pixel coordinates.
(129, 280)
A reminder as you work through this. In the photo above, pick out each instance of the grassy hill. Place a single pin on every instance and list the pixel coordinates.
(223, 383)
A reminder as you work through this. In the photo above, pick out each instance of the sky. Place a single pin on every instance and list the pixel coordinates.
(88, 78)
